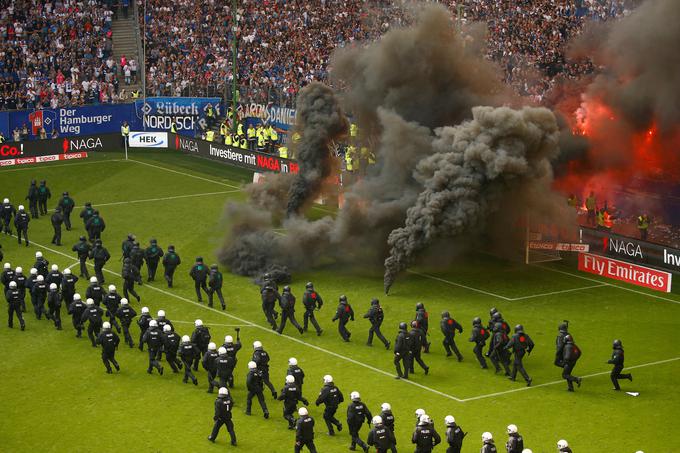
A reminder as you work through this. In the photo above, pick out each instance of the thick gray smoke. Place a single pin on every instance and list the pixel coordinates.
(475, 168)
(320, 121)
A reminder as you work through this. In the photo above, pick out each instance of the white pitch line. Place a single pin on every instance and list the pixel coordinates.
(558, 292)
(270, 331)
(610, 284)
(62, 165)
(561, 381)
(213, 324)
(74, 264)
(162, 199)
(185, 174)
(459, 284)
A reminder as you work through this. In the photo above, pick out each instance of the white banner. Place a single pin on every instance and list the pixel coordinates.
(148, 140)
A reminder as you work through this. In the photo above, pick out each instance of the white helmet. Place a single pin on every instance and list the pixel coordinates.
(40, 278)
(55, 268)
(6, 200)
(198, 323)
(424, 419)
(419, 412)
(145, 310)
(76, 296)
(12, 284)
(7, 266)
(212, 346)
(112, 288)
(526, 450)
(327, 379)
(161, 313)
(562, 443)
(292, 361)
(377, 420)
(53, 286)
(354, 396)
(167, 328)
(38, 254)
(33, 271)
(512, 429)
(385, 407)
(222, 350)
(21, 207)
(67, 271)
(153, 323)
(186, 339)
(290, 379)
(89, 301)
(228, 339)
(19, 270)
(486, 436)
(303, 411)
(449, 420)
(223, 391)
(257, 344)
(251, 365)
(93, 279)
(123, 301)
(106, 325)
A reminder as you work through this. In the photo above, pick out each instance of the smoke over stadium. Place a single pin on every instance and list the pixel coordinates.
(455, 149)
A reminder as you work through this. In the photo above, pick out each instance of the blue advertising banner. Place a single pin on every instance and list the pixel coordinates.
(282, 118)
(86, 120)
(189, 113)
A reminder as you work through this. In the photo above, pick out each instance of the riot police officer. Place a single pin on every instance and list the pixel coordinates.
(200, 338)
(343, 315)
(95, 291)
(376, 316)
(287, 304)
(515, 443)
(109, 341)
(152, 255)
(381, 436)
(127, 245)
(261, 358)
(454, 435)
(488, 445)
(112, 301)
(82, 249)
(423, 320)
(425, 437)
(7, 213)
(143, 322)
(304, 431)
(44, 194)
(571, 355)
(39, 295)
(137, 256)
(254, 383)
(215, 286)
(76, 309)
(479, 337)
(86, 213)
(170, 342)
(209, 365)
(131, 275)
(54, 305)
(170, 262)
(331, 397)
(269, 297)
(499, 355)
(402, 351)
(57, 220)
(100, 256)
(357, 412)
(448, 327)
(152, 338)
(617, 360)
(32, 198)
(223, 407)
(311, 300)
(13, 297)
(295, 371)
(562, 332)
(199, 273)
(126, 314)
(21, 220)
(290, 395)
(417, 344)
(55, 276)
(95, 226)
(67, 204)
(519, 344)
(188, 352)
(93, 315)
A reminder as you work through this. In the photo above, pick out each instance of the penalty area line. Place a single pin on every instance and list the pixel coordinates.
(561, 381)
(270, 331)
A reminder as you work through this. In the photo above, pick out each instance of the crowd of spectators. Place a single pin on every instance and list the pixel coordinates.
(56, 53)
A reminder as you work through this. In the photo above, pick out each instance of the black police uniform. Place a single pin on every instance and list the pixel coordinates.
(287, 304)
(209, 365)
(6, 277)
(199, 273)
(489, 447)
(39, 295)
(95, 292)
(298, 375)
(269, 297)
(28, 285)
(100, 256)
(86, 213)
(376, 316)
(382, 438)
(137, 256)
(304, 434)
(261, 358)
(7, 213)
(232, 351)
(224, 366)
(109, 341)
(448, 327)
(111, 301)
(130, 274)
(54, 307)
(42, 266)
(499, 355)
(223, 407)
(571, 355)
(417, 343)
(57, 220)
(32, 198)
(76, 309)
(331, 397)
(423, 320)
(127, 245)
(343, 315)
(83, 248)
(170, 347)
(170, 262)
(68, 287)
(143, 323)
(188, 352)
(515, 443)
(454, 438)
(22, 284)
(479, 337)
(95, 227)
(402, 352)
(520, 344)
(21, 220)
(126, 314)
(44, 194)
(215, 286)
(14, 298)
(425, 437)
(617, 360)
(200, 337)
(290, 395)
(152, 255)
(153, 339)
(311, 300)
(67, 204)
(93, 314)
(55, 277)
(562, 332)
(357, 412)
(254, 383)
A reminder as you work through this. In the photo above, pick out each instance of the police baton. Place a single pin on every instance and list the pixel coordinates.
(238, 330)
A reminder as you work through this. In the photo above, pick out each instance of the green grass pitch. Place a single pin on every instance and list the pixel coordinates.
(56, 396)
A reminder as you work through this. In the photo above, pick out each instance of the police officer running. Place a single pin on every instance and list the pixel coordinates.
(232, 350)
(499, 355)
(617, 360)
(67, 204)
(7, 213)
(200, 338)
(170, 262)
(95, 226)
(14, 298)
(479, 337)
(304, 431)
(32, 198)
(287, 304)
(126, 314)
(223, 407)
(86, 213)
(57, 220)
(425, 436)
(170, 346)
(357, 412)
(254, 383)
(402, 351)
(21, 220)
(417, 343)
(519, 344)
(54, 305)
(209, 365)
(562, 332)
(199, 273)
(152, 338)
(215, 286)
(454, 435)
(43, 195)
(311, 300)
(112, 302)
(100, 256)
(290, 395)
(515, 443)
(381, 437)
(331, 397)
(143, 322)
(448, 327)
(488, 445)
(82, 249)
(130, 274)
(261, 358)
(270, 296)
(376, 316)
(343, 315)
(109, 341)
(152, 255)
(388, 420)
(76, 309)
(295, 371)
(93, 314)
(188, 352)
(571, 355)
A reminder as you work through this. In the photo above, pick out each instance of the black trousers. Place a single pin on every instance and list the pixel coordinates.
(478, 353)
(211, 381)
(309, 317)
(450, 346)
(56, 238)
(329, 418)
(108, 357)
(171, 357)
(402, 359)
(270, 314)
(42, 206)
(33, 207)
(67, 220)
(77, 325)
(288, 411)
(39, 305)
(126, 333)
(286, 315)
(228, 424)
(299, 444)
(98, 271)
(7, 225)
(55, 314)
(517, 365)
(187, 372)
(212, 291)
(416, 357)
(500, 358)
(93, 331)
(129, 288)
(11, 310)
(83, 267)
(342, 329)
(616, 374)
(169, 274)
(153, 362)
(566, 374)
(23, 231)
(354, 432)
(260, 399)
(375, 329)
(152, 266)
(200, 285)
(266, 381)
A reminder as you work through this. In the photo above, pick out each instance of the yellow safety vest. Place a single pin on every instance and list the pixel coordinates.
(283, 152)
(239, 130)
(125, 131)
(274, 135)
(296, 137)
(259, 131)
(210, 135)
(260, 141)
(251, 132)
(173, 128)
(135, 94)
(210, 112)
(349, 158)
(2, 139)
(353, 129)
(244, 143)
(227, 139)
(223, 129)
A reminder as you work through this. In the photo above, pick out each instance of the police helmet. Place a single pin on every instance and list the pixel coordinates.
(153, 323)
(6, 200)
(419, 412)
(568, 339)
(199, 259)
(12, 284)
(213, 267)
(251, 365)
(292, 361)
(492, 311)
(88, 204)
(40, 278)
(167, 328)
(617, 344)
(402, 326)
(519, 328)
(286, 289)
(153, 241)
(477, 321)
(123, 301)
(512, 429)
(93, 279)
(222, 351)
(198, 323)
(83, 238)
(375, 302)
(303, 411)
(171, 248)
(290, 379)
(424, 420)
(420, 306)
(445, 314)
(257, 345)
(562, 443)
(161, 313)
(65, 194)
(377, 420)
(223, 391)
(354, 396)
(76, 296)
(38, 254)
(309, 285)
(385, 407)
(185, 338)
(414, 324)
(497, 316)
(33, 271)
(145, 310)
(112, 288)
(449, 420)
(21, 207)
(53, 286)
(106, 325)
(9, 266)
(563, 327)
(343, 298)
(486, 436)
(19, 270)
(327, 379)
(89, 301)
(212, 346)
(67, 271)
(228, 339)
(497, 327)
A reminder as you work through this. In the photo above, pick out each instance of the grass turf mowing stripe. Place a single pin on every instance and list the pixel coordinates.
(163, 198)
(481, 291)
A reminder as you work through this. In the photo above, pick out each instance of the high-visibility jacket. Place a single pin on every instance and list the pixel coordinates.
(239, 130)
(349, 158)
(600, 218)
(259, 131)
(368, 155)
(227, 139)
(283, 152)
(210, 112)
(251, 132)
(296, 137)
(244, 143)
(260, 141)
(135, 94)
(210, 135)
(591, 203)
(643, 222)
(173, 128)
(353, 130)
(2, 138)
(223, 129)
(266, 133)
(274, 136)
(125, 131)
